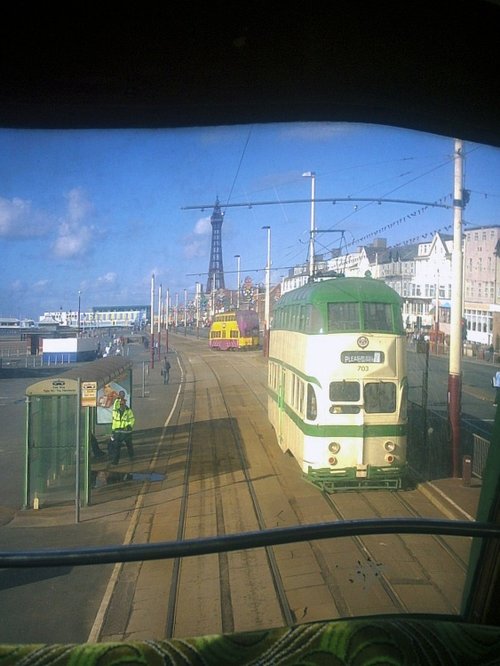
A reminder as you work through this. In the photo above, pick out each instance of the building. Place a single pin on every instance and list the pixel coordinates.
(482, 285)
(422, 274)
(119, 316)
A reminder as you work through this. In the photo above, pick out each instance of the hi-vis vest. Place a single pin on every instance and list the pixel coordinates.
(122, 420)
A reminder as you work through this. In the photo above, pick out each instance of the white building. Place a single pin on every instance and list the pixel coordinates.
(422, 274)
(119, 316)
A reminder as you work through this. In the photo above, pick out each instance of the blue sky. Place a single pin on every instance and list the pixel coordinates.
(101, 211)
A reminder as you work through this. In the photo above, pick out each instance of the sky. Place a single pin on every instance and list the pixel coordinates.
(99, 212)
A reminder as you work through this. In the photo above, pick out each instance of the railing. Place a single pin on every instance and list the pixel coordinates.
(480, 447)
(429, 450)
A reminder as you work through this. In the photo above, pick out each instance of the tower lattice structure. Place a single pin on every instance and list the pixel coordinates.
(216, 269)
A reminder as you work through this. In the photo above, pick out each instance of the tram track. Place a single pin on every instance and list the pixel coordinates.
(287, 613)
(370, 558)
(233, 478)
(174, 582)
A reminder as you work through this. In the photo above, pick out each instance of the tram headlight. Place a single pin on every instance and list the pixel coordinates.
(390, 458)
(332, 460)
(389, 446)
(334, 447)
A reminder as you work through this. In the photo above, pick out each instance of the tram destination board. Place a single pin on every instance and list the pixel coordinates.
(362, 357)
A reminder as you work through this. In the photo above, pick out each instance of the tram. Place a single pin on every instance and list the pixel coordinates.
(236, 330)
(337, 382)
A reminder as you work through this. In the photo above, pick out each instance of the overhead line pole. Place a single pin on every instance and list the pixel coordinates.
(456, 342)
(152, 331)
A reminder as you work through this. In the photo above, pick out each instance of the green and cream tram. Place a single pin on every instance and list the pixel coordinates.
(337, 382)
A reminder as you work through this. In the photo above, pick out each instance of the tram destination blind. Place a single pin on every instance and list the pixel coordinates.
(362, 357)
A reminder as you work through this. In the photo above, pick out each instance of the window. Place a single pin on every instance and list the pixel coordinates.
(377, 317)
(380, 397)
(343, 317)
(312, 406)
(344, 391)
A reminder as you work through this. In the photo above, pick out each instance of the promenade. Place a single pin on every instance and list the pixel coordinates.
(130, 504)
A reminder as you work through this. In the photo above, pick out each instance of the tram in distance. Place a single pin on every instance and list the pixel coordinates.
(337, 382)
(235, 330)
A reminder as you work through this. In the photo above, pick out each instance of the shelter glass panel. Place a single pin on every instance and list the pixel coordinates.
(52, 448)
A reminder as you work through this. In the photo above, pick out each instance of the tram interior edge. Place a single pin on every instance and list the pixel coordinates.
(305, 405)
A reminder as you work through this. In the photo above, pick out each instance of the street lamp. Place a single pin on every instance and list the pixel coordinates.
(238, 259)
(268, 277)
(185, 310)
(159, 320)
(198, 291)
(78, 323)
(312, 176)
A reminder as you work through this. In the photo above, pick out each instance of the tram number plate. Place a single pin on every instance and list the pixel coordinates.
(362, 357)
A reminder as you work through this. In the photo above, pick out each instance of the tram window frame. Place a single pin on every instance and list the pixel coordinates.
(344, 316)
(372, 320)
(345, 396)
(369, 399)
(312, 404)
(304, 318)
(316, 320)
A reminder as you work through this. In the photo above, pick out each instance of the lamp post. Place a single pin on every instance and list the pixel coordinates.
(78, 323)
(238, 259)
(185, 311)
(268, 290)
(159, 320)
(152, 324)
(198, 292)
(312, 176)
(456, 342)
(167, 320)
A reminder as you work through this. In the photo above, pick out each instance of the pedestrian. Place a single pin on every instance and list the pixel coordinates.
(116, 404)
(165, 370)
(496, 385)
(121, 431)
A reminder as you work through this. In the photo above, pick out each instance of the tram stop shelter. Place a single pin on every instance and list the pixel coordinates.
(63, 413)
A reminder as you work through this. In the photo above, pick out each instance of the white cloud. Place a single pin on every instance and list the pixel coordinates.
(316, 131)
(41, 286)
(74, 236)
(18, 220)
(107, 280)
(73, 240)
(78, 205)
(196, 243)
(203, 227)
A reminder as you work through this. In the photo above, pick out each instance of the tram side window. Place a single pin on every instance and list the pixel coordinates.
(343, 317)
(377, 316)
(380, 397)
(305, 317)
(312, 406)
(316, 322)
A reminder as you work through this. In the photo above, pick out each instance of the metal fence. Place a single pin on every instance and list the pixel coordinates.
(429, 444)
(480, 447)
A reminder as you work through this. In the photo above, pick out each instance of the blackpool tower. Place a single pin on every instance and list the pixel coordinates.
(216, 268)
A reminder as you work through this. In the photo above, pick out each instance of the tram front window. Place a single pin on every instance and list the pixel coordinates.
(380, 397)
(344, 391)
(377, 316)
(343, 317)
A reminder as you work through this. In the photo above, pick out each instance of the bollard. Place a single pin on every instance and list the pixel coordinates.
(466, 470)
